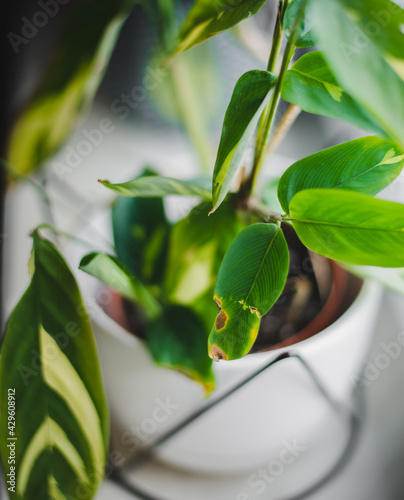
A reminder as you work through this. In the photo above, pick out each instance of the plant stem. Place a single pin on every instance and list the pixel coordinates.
(273, 58)
(277, 36)
(263, 132)
(268, 114)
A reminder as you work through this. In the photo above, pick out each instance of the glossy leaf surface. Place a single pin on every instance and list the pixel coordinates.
(251, 279)
(365, 165)
(364, 46)
(351, 227)
(311, 85)
(304, 31)
(250, 96)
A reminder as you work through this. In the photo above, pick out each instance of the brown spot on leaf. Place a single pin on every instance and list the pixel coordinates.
(254, 310)
(216, 353)
(221, 320)
(218, 302)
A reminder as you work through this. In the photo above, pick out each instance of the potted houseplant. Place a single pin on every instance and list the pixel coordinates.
(203, 288)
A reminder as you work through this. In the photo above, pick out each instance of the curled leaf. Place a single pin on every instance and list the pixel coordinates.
(250, 96)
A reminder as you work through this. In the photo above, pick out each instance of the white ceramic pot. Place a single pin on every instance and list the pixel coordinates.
(280, 405)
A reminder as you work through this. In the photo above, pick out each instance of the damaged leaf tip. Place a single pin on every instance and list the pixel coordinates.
(216, 353)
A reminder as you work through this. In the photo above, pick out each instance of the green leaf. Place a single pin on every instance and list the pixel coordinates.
(366, 165)
(155, 186)
(177, 340)
(392, 278)
(304, 31)
(250, 96)
(364, 46)
(141, 233)
(250, 281)
(70, 84)
(113, 273)
(49, 365)
(311, 85)
(207, 18)
(197, 246)
(351, 227)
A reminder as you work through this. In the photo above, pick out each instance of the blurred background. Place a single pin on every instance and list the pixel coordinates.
(150, 127)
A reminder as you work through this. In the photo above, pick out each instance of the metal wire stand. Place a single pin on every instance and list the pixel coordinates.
(351, 414)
